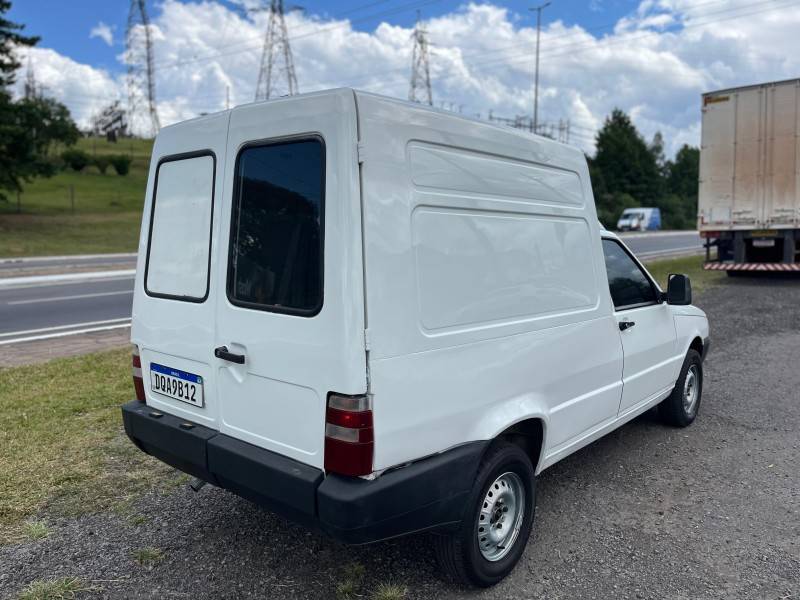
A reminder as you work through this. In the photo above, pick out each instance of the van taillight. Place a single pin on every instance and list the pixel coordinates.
(349, 438)
(138, 382)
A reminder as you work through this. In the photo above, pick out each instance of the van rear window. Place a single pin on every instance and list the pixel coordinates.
(180, 228)
(276, 250)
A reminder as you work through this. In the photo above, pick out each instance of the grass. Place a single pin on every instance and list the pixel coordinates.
(63, 449)
(35, 530)
(389, 591)
(65, 588)
(106, 212)
(36, 235)
(352, 578)
(689, 265)
(147, 557)
(137, 520)
(93, 192)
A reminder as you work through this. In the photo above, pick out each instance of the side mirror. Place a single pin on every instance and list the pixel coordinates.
(679, 290)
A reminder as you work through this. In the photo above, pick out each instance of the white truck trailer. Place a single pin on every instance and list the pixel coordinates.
(749, 199)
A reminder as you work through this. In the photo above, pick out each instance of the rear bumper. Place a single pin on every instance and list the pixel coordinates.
(424, 495)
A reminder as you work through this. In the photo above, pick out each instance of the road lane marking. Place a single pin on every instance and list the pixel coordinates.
(68, 257)
(59, 334)
(654, 235)
(70, 326)
(73, 297)
(668, 251)
(9, 282)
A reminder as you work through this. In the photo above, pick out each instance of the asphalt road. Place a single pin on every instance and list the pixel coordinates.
(710, 511)
(24, 311)
(649, 245)
(72, 306)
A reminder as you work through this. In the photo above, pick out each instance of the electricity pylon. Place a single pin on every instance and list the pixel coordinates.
(420, 89)
(276, 76)
(141, 80)
(31, 88)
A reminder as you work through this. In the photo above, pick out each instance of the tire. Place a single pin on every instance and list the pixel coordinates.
(508, 469)
(677, 409)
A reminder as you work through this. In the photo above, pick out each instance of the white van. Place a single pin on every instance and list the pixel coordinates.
(639, 219)
(377, 318)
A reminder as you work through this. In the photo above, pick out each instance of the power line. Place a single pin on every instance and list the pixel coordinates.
(552, 50)
(524, 54)
(310, 33)
(578, 48)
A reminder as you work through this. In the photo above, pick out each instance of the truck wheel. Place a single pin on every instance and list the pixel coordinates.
(497, 520)
(680, 408)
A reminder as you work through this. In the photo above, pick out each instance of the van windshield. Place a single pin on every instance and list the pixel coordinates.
(276, 233)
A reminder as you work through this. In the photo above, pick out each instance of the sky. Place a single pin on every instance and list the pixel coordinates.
(651, 58)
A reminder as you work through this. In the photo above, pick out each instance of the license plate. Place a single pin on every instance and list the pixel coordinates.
(763, 243)
(177, 384)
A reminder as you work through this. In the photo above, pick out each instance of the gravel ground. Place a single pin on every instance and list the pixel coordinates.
(712, 511)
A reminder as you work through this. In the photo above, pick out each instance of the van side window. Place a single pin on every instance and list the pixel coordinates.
(629, 286)
(179, 244)
(275, 261)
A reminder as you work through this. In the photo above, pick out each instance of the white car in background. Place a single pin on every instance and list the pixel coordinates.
(639, 219)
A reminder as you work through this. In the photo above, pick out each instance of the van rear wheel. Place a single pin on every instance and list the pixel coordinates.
(497, 520)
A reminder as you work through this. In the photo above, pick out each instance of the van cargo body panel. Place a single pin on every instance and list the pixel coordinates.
(491, 235)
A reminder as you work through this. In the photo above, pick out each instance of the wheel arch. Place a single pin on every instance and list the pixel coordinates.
(529, 434)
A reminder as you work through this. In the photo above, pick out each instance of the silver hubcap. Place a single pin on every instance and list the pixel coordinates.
(691, 390)
(501, 514)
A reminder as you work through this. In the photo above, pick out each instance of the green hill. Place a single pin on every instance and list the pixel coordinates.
(104, 216)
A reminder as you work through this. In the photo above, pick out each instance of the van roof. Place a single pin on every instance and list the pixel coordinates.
(405, 104)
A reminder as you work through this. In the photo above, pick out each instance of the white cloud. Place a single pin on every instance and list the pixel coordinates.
(104, 32)
(654, 63)
(84, 89)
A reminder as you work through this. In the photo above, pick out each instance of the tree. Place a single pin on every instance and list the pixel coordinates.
(10, 37)
(623, 165)
(627, 172)
(682, 176)
(28, 127)
(684, 172)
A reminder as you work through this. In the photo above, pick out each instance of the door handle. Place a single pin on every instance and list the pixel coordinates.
(222, 352)
(623, 325)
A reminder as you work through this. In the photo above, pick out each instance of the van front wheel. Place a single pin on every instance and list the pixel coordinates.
(679, 409)
(497, 521)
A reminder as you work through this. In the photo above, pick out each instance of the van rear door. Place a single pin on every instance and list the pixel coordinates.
(174, 298)
(289, 311)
